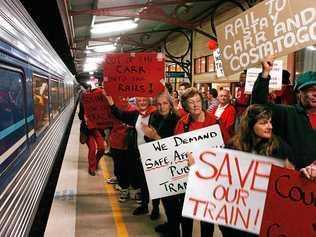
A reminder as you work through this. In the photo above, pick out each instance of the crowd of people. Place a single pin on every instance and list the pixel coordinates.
(262, 123)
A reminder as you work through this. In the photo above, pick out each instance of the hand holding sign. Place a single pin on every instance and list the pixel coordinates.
(267, 65)
(110, 100)
(150, 132)
(310, 171)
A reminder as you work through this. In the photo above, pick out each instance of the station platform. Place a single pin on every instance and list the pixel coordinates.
(87, 206)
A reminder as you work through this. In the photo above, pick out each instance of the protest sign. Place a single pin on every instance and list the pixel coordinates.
(290, 209)
(134, 74)
(272, 27)
(96, 109)
(165, 160)
(275, 81)
(218, 63)
(229, 188)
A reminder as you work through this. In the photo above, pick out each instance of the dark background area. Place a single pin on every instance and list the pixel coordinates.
(46, 16)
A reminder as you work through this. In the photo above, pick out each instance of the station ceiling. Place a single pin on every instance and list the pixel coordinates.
(69, 24)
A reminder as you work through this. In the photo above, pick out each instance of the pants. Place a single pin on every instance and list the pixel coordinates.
(207, 229)
(96, 147)
(228, 232)
(122, 167)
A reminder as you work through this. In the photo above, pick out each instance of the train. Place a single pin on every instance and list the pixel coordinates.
(38, 97)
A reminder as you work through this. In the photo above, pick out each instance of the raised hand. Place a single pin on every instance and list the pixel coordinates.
(267, 64)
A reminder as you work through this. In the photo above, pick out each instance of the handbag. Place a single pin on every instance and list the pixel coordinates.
(83, 138)
(83, 133)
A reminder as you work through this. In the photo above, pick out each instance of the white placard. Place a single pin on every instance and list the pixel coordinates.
(275, 81)
(165, 160)
(229, 188)
(218, 63)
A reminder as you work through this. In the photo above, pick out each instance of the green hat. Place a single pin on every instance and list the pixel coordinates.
(306, 79)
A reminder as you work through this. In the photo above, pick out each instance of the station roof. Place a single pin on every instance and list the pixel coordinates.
(73, 26)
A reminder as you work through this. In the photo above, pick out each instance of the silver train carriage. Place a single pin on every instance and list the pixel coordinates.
(37, 101)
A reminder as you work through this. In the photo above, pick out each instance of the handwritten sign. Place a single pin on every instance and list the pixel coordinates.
(134, 74)
(165, 161)
(290, 209)
(229, 188)
(275, 82)
(218, 63)
(96, 109)
(272, 27)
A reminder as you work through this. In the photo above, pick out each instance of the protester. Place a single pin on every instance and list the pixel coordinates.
(286, 95)
(195, 119)
(242, 100)
(295, 124)
(255, 136)
(136, 119)
(161, 125)
(94, 139)
(120, 153)
(212, 98)
(225, 113)
(182, 87)
(175, 99)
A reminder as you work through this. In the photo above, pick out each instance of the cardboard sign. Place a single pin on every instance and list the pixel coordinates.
(290, 209)
(165, 161)
(96, 109)
(134, 74)
(272, 27)
(229, 188)
(275, 81)
(218, 63)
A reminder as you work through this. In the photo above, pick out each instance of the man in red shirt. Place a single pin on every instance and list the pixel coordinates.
(225, 113)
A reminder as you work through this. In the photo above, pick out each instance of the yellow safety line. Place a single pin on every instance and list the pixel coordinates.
(116, 210)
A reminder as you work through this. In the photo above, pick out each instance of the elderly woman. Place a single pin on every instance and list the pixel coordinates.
(136, 119)
(196, 118)
(161, 125)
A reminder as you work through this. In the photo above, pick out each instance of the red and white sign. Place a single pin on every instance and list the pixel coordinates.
(96, 109)
(290, 208)
(134, 74)
(229, 188)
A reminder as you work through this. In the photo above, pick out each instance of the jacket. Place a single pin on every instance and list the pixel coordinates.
(291, 123)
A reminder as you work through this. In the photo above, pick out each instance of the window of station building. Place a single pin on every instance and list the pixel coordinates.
(210, 65)
(197, 65)
(40, 99)
(54, 98)
(305, 60)
(11, 107)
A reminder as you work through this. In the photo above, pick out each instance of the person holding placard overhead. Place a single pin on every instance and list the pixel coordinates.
(136, 119)
(295, 124)
(196, 118)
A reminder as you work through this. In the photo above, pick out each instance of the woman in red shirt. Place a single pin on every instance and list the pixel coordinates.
(195, 119)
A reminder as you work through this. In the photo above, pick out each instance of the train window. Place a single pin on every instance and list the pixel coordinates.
(12, 118)
(61, 94)
(40, 98)
(54, 98)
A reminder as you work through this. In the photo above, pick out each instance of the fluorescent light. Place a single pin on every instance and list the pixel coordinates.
(312, 48)
(91, 73)
(102, 48)
(94, 60)
(90, 67)
(115, 26)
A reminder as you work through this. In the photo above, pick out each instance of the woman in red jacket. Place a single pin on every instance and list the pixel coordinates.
(195, 119)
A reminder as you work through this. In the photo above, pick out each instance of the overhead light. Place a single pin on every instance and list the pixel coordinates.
(94, 60)
(312, 48)
(90, 67)
(115, 26)
(136, 19)
(91, 73)
(102, 48)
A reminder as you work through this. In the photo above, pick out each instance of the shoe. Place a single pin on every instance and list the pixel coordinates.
(112, 180)
(91, 172)
(162, 228)
(124, 195)
(117, 187)
(154, 215)
(138, 198)
(141, 210)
